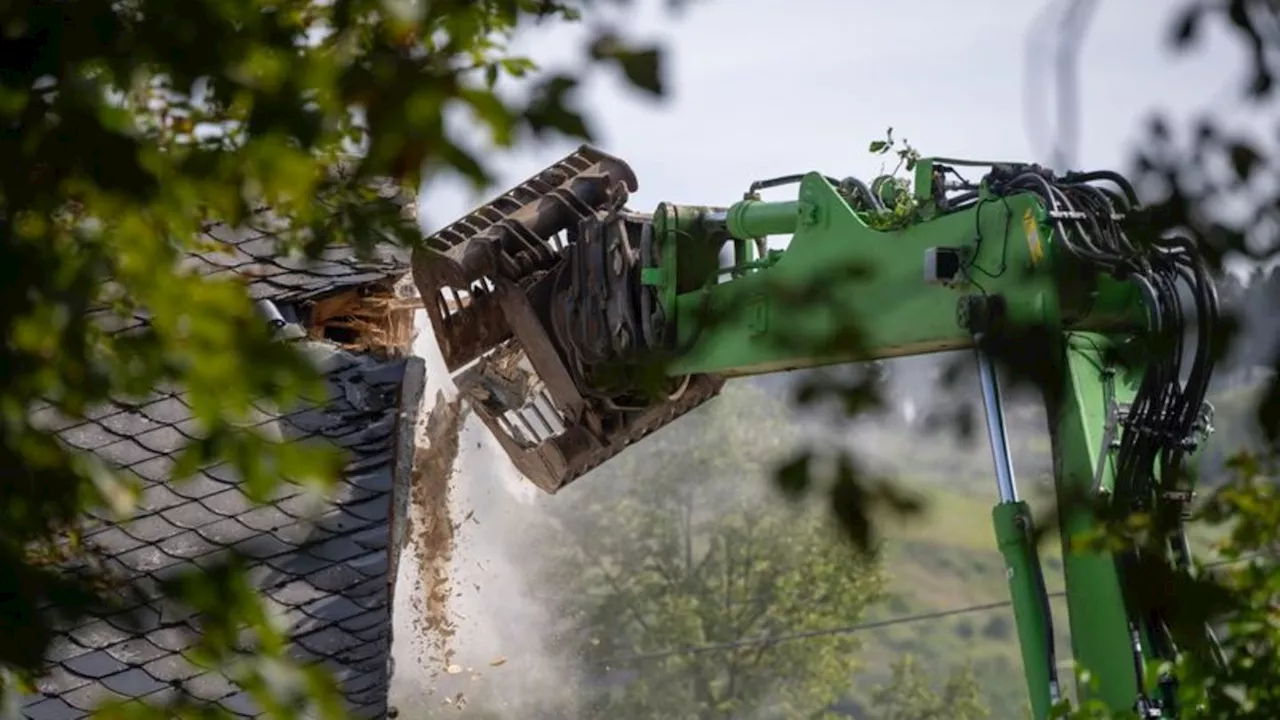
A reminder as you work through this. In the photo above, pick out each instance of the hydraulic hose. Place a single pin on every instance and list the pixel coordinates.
(1164, 415)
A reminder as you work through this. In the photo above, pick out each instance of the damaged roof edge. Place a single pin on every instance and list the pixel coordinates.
(412, 391)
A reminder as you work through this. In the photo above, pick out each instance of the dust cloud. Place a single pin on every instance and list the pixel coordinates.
(471, 634)
(468, 634)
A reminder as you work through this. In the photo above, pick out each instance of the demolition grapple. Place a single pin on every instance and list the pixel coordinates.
(535, 298)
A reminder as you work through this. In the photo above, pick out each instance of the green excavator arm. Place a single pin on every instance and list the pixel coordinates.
(576, 326)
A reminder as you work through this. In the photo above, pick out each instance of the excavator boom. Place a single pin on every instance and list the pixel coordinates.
(576, 326)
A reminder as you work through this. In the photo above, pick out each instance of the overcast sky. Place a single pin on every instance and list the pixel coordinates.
(762, 87)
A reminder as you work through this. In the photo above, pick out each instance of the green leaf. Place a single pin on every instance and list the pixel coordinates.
(494, 114)
(1187, 23)
(793, 478)
(1244, 160)
(878, 146)
(551, 109)
(643, 68)
(517, 67)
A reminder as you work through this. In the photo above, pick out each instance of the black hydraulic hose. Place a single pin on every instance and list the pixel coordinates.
(1091, 232)
(1118, 202)
(785, 180)
(1197, 383)
(1165, 415)
(1046, 609)
(1038, 184)
(1164, 409)
(871, 198)
(1109, 175)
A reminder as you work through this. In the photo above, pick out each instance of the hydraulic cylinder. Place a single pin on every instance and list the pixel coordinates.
(1013, 530)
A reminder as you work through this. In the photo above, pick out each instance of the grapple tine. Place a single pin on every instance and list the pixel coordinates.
(496, 285)
(514, 232)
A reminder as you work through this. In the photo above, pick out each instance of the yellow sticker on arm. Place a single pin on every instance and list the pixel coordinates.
(1032, 230)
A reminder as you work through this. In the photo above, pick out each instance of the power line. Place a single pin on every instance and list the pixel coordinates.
(845, 630)
(850, 629)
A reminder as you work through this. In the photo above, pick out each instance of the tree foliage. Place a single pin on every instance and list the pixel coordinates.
(128, 125)
(910, 696)
(677, 548)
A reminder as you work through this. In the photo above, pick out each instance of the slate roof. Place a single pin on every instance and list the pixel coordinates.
(326, 573)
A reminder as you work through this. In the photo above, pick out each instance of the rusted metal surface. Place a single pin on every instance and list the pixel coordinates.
(465, 326)
(557, 461)
(530, 297)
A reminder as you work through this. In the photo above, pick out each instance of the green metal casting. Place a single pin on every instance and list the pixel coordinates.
(1078, 418)
(862, 273)
(1013, 528)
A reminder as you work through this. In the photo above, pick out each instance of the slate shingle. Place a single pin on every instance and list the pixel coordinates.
(323, 565)
(97, 634)
(60, 680)
(210, 686)
(135, 652)
(295, 563)
(241, 704)
(133, 683)
(54, 708)
(150, 529)
(171, 668)
(252, 252)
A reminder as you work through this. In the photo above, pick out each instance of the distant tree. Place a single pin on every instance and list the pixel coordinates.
(677, 549)
(911, 695)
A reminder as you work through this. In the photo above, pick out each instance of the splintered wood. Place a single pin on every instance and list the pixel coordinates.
(433, 528)
(375, 318)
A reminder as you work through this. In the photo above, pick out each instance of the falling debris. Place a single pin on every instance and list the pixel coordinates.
(498, 662)
(433, 528)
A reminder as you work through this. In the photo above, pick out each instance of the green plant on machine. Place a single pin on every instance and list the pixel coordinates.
(894, 190)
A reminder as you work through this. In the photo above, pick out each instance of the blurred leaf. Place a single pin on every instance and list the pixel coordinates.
(1187, 23)
(793, 477)
(643, 67)
(640, 65)
(1244, 159)
(552, 109)
(850, 504)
